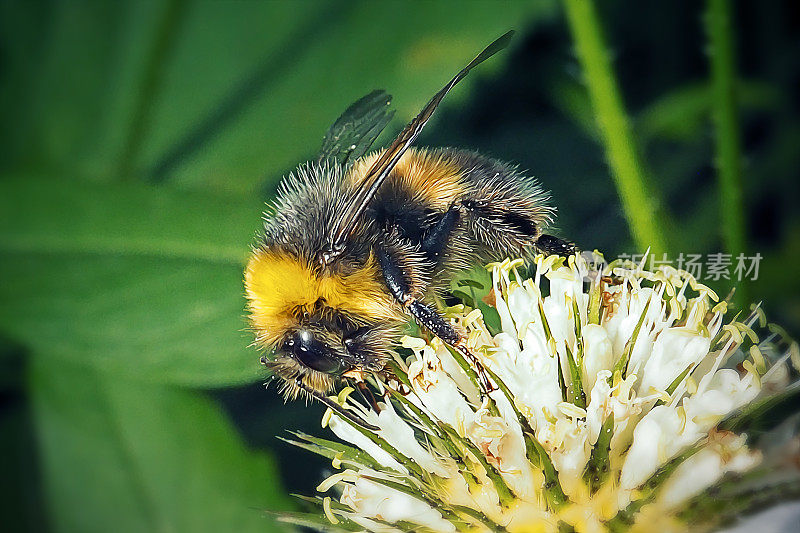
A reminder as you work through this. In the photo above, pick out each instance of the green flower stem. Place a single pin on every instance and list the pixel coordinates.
(641, 207)
(726, 124)
(599, 464)
(622, 364)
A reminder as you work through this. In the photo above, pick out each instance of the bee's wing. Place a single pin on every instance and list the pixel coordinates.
(384, 165)
(357, 128)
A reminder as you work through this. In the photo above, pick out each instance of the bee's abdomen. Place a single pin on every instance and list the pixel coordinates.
(482, 209)
(504, 210)
(429, 180)
(459, 207)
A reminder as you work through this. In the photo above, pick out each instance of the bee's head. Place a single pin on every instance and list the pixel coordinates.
(319, 325)
(313, 353)
(307, 357)
(324, 346)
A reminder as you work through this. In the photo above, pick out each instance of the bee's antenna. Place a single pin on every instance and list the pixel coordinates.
(378, 172)
(335, 407)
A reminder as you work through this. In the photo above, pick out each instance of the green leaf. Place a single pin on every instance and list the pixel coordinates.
(272, 94)
(140, 280)
(464, 297)
(474, 283)
(76, 68)
(128, 457)
(39, 214)
(219, 95)
(472, 286)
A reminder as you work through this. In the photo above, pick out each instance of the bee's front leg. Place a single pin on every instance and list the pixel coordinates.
(399, 274)
(436, 324)
(555, 246)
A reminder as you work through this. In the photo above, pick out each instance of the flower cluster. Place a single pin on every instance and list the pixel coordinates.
(620, 401)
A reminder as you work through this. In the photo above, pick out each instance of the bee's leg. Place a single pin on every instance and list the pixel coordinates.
(439, 235)
(440, 327)
(555, 246)
(402, 287)
(367, 395)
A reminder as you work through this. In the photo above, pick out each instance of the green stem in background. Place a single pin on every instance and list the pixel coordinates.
(641, 207)
(725, 116)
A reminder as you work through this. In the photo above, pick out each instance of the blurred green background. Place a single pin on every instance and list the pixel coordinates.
(140, 140)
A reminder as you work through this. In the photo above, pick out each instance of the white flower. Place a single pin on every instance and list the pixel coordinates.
(370, 499)
(613, 396)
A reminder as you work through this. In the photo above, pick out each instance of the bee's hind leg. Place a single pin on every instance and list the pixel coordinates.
(403, 287)
(438, 237)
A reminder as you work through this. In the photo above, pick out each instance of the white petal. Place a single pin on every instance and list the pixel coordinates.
(502, 442)
(531, 374)
(725, 393)
(658, 437)
(400, 435)
(373, 500)
(347, 433)
(597, 354)
(705, 468)
(674, 350)
(438, 392)
(571, 456)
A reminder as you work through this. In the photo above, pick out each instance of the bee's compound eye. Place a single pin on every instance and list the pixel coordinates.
(313, 353)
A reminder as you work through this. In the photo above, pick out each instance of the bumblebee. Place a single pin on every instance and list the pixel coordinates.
(357, 243)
